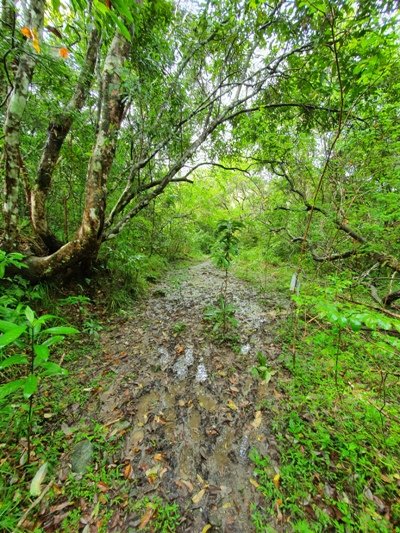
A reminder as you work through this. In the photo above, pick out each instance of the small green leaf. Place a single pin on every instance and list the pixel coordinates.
(6, 326)
(53, 340)
(53, 369)
(42, 353)
(30, 386)
(13, 360)
(30, 315)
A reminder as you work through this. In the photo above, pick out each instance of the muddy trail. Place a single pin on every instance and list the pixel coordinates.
(189, 404)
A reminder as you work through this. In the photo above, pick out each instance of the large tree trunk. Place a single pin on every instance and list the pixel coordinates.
(12, 126)
(83, 248)
(58, 130)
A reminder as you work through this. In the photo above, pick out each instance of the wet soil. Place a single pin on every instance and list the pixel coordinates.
(189, 404)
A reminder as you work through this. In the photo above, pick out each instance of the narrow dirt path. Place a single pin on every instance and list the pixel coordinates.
(191, 403)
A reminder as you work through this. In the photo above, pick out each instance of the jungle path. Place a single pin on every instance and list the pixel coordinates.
(190, 405)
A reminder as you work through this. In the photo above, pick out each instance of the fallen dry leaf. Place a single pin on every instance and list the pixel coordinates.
(187, 484)
(159, 457)
(257, 420)
(254, 483)
(231, 404)
(146, 517)
(206, 528)
(198, 497)
(276, 480)
(128, 471)
(103, 487)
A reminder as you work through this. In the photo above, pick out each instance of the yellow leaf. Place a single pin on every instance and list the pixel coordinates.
(35, 41)
(276, 480)
(36, 483)
(231, 404)
(227, 505)
(198, 497)
(254, 483)
(257, 420)
(206, 528)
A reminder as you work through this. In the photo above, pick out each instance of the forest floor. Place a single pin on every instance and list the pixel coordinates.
(176, 411)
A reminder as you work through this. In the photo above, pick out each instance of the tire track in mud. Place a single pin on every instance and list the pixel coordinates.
(191, 404)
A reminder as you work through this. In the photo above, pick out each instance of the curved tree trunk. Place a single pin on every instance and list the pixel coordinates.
(12, 126)
(57, 132)
(83, 248)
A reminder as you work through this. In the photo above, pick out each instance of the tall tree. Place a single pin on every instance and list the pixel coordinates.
(149, 89)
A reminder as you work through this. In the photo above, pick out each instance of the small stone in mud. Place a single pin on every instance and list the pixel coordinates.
(183, 363)
(244, 350)
(201, 374)
(81, 456)
(164, 356)
(244, 446)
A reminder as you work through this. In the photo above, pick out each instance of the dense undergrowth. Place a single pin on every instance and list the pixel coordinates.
(333, 404)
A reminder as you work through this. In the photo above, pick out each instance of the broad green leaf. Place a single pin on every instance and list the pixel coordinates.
(11, 335)
(61, 330)
(11, 387)
(6, 326)
(13, 360)
(36, 483)
(30, 385)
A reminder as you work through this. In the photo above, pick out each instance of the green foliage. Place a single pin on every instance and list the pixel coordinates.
(25, 363)
(226, 247)
(223, 321)
(261, 371)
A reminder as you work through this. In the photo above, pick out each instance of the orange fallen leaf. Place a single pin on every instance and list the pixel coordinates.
(179, 349)
(103, 487)
(27, 32)
(187, 484)
(128, 471)
(147, 517)
(159, 457)
(64, 52)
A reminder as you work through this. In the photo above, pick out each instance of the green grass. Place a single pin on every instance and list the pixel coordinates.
(339, 443)
(165, 517)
